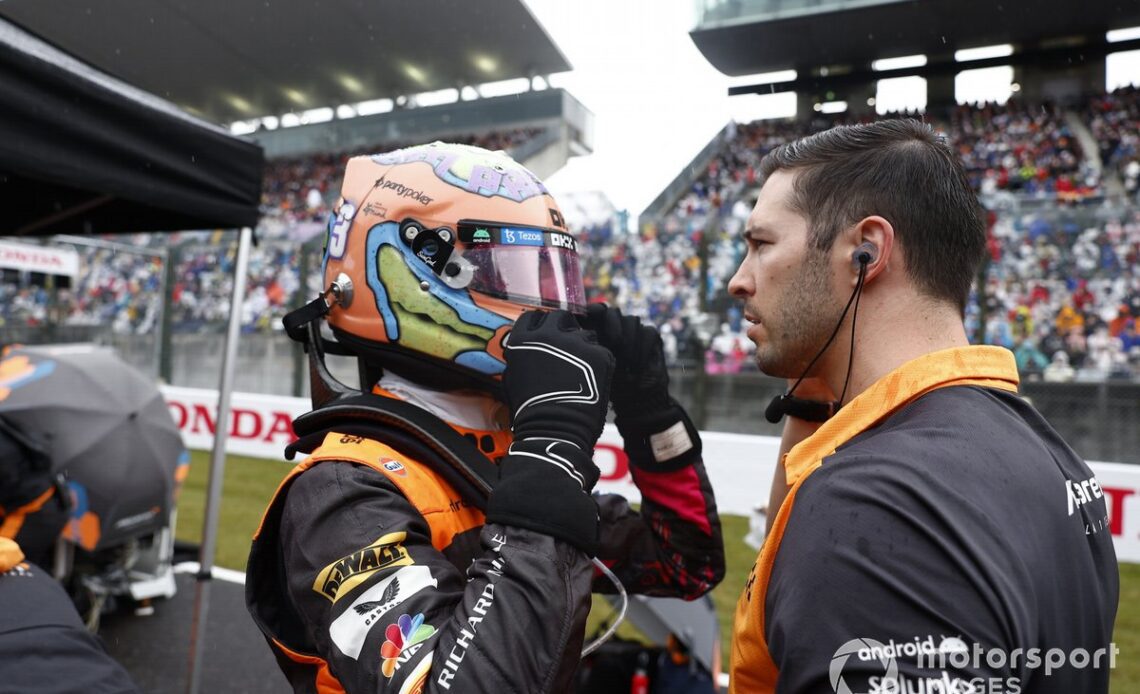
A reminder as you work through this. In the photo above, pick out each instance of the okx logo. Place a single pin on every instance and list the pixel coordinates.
(402, 640)
(858, 661)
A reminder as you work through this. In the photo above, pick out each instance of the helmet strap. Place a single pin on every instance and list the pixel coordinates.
(303, 325)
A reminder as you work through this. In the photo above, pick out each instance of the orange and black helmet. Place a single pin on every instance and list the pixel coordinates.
(445, 246)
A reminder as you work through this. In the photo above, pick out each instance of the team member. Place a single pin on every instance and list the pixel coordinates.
(439, 536)
(44, 646)
(32, 509)
(936, 530)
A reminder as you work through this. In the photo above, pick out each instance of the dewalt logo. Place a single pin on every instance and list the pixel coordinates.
(344, 574)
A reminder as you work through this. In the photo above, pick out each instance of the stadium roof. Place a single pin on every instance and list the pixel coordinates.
(82, 153)
(228, 60)
(830, 34)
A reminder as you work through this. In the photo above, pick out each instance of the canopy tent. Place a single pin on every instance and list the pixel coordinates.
(227, 60)
(84, 153)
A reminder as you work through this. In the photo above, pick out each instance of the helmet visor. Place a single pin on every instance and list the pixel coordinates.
(525, 265)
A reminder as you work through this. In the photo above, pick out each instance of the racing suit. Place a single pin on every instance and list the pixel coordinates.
(369, 573)
(32, 512)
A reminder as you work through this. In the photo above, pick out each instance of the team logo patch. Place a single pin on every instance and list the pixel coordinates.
(346, 573)
(403, 639)
(418, 679)
(351, 628)
(394, 466)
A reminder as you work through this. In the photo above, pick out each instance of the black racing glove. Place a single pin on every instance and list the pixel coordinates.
(657, 432)
(557, 385)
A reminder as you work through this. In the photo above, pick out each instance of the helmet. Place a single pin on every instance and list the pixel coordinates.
(442, 247)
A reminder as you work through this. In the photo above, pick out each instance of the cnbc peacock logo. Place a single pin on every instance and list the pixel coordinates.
(403, 639)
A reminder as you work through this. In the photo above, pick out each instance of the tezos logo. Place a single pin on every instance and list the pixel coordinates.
(864, 650)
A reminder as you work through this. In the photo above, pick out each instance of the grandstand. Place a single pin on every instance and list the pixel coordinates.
(309, 115)
(1058, 165)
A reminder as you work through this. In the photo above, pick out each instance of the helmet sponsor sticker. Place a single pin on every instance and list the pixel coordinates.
(563, 241)
(375, 209)
(341, 576)
(474, 233)
(350, 629)
(339, 226)
(402, 190)
(517, 236)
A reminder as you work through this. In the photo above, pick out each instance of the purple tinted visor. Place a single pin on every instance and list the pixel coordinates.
(526, 265)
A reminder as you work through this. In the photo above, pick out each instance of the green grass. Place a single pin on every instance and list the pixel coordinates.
(249, 483)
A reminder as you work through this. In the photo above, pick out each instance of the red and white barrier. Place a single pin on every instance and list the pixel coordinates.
(740, 466)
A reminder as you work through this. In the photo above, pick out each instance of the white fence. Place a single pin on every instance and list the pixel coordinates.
(740, 466)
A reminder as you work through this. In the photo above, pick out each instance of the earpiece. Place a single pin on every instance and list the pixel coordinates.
(812, 410)
(864, 255)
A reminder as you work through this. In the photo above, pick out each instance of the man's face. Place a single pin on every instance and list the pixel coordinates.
(786, 286)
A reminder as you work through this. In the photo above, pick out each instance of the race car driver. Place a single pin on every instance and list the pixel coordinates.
(439, 536)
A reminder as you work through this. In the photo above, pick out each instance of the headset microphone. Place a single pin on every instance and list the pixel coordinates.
(814, 410)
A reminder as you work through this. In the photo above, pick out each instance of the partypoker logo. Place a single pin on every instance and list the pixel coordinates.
(340, 577)
(18, 371)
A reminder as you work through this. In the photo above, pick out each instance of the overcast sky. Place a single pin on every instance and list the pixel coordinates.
(657, 101)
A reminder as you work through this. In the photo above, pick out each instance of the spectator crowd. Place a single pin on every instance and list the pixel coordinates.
(1062, 285)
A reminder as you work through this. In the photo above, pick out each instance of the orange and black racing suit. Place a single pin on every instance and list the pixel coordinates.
(32, 512)
(370, 573)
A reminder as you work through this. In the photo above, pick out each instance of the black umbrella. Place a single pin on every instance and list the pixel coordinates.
(106, 427)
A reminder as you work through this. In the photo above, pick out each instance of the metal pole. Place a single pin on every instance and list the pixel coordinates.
(162, 339)
(700, 394)
(217, 468)
(300, 298)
